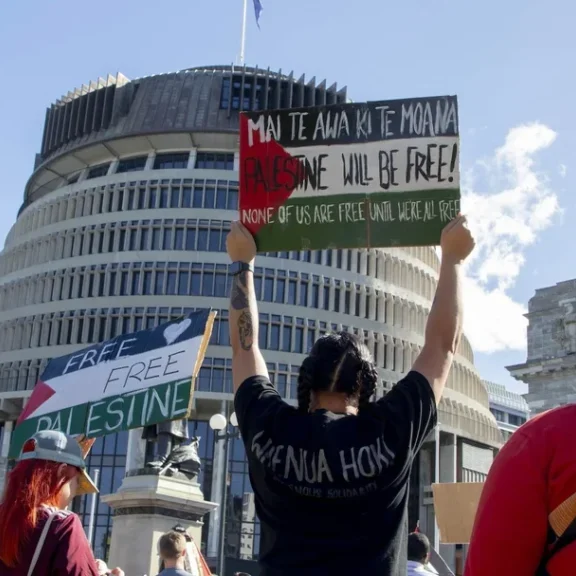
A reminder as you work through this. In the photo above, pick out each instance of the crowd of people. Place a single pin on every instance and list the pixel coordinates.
(331, 475)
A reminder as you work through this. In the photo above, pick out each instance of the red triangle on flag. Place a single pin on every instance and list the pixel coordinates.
(268, 177)
(41, 393)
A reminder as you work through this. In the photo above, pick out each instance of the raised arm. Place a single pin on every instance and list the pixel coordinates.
(247, 359)
(444, 326)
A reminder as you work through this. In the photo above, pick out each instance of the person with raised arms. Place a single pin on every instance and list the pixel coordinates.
(331, 476)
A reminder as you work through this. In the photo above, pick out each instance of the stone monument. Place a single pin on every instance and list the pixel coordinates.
(150, 502)
(550, 367)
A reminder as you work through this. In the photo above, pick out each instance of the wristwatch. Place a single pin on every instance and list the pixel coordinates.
(238, 267)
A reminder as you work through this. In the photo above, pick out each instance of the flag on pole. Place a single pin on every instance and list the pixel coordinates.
(258, 10)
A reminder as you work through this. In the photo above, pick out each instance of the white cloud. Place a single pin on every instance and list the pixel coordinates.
(563, 170)
(504, 224)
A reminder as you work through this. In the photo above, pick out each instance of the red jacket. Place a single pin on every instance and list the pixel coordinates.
(532, 483)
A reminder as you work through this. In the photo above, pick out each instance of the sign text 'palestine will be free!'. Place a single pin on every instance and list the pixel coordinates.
(350, 176)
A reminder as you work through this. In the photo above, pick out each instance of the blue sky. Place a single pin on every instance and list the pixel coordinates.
(510, 63)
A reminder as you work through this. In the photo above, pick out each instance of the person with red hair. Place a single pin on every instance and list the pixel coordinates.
(38, 535)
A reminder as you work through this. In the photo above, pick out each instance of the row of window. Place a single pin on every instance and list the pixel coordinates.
(245, 93)
(138, 195)
(212, 280)
(198, 235)
(169, 161)
(177, 193)
(277, 332)
(508, 418)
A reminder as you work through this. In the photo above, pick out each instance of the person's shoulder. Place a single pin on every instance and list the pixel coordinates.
(59, 516)
(64, 521)
(559, 419)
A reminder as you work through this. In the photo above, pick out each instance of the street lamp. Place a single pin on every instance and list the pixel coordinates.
(219, 424)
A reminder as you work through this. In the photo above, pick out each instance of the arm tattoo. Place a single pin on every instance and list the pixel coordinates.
(246, 330)
(239, 296)
(240, 301)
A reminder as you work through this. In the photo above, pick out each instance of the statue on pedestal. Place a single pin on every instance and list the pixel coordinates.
(166, 453)
(566, 334)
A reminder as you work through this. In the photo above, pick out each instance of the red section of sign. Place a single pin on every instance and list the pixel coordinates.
(268, 176)
(41, 393)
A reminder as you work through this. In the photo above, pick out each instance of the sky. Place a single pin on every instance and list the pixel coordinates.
(510, 64)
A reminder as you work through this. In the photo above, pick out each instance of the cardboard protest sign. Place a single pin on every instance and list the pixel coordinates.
(350, 176)
(455, 505)
(131, 381)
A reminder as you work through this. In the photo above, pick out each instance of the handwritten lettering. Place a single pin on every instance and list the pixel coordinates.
(296, 465)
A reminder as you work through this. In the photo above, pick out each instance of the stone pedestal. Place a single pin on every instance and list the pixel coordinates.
(145, 507)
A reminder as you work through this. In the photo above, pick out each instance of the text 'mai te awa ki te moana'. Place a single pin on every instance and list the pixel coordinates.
(131, 381)
(364, 175)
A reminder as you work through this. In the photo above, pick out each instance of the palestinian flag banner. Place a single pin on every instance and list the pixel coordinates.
(132, 381)
(364, 175)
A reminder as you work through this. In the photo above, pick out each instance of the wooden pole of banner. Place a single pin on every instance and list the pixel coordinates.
(243, 37)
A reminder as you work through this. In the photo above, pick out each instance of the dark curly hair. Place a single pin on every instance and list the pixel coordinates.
(338, 362)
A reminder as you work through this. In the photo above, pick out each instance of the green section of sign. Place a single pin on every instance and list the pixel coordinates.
(152, 405)
(358, 221)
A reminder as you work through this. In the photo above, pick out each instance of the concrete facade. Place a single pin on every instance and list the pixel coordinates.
(510, 409)
(550, 367)
(123, 226)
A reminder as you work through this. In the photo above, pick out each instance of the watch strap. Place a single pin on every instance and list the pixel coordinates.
(239, 267)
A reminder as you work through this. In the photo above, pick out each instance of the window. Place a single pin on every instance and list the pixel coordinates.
(239, 90)
(97, 171)
(214, 161)
(225, 94)
(131, 165)
(498, 414)
(171, 161)
(516, 420)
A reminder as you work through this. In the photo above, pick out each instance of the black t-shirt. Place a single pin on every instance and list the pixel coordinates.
(331, 490)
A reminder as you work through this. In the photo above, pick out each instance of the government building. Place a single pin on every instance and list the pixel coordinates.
(550, 367)
(510, 409)
(122, 227)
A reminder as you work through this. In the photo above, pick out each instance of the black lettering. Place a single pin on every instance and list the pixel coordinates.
(169, 363)
(355, 170)
(409, 162)
(151, 366)
(387, 169)
(110, 380)
(310, 172)
(430, 161)
(133, 374)
(420, 166)
(441, 163)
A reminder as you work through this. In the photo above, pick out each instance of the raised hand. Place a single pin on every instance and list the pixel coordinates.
(240, 244)
(457, 241)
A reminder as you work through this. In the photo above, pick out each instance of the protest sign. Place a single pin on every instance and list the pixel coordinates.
(131, 381)
(351, 175)
(455, 505)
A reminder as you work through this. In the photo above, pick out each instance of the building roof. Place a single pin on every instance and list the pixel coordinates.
(499, 394)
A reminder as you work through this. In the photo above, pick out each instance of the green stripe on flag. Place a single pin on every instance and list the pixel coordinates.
(358, 221)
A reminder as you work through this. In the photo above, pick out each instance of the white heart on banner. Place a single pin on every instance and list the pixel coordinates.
(174, 330)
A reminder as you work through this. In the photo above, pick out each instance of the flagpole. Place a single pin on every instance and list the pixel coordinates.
(243, 38)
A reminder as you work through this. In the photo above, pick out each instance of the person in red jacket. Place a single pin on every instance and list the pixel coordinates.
(531, 485)
(38, 535)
